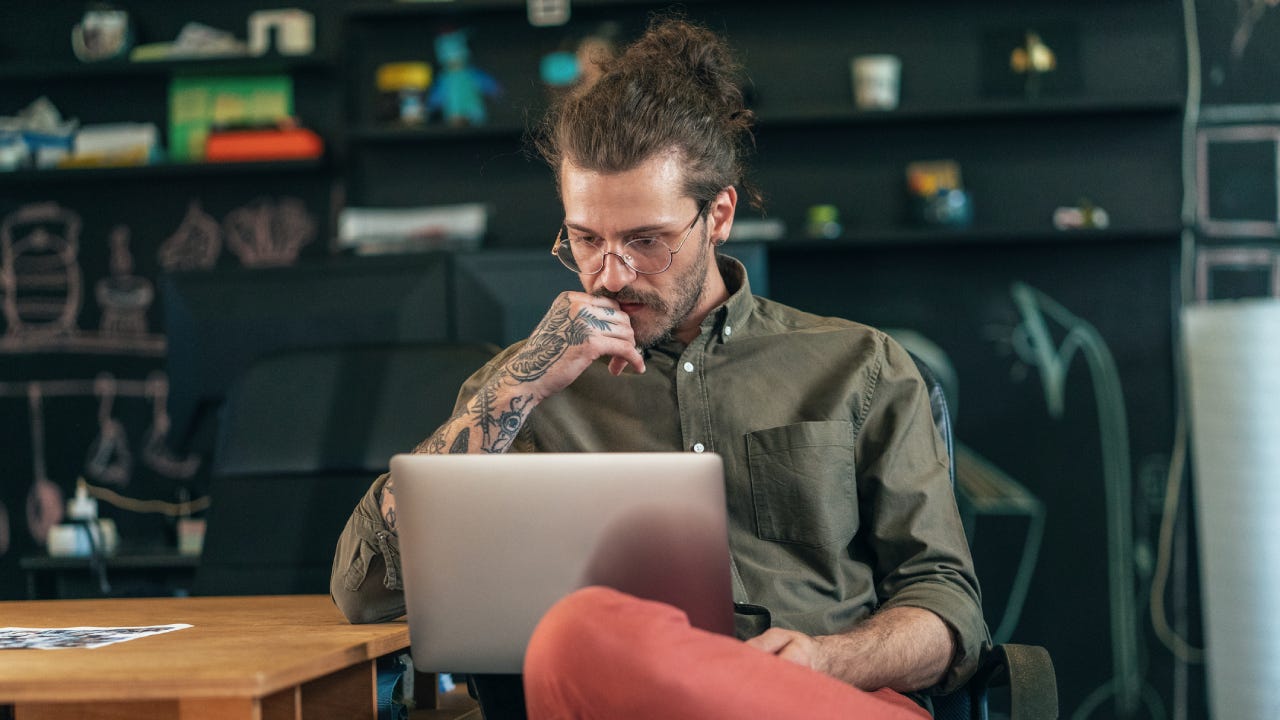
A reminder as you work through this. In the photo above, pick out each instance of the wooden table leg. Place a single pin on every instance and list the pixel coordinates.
(348, 694)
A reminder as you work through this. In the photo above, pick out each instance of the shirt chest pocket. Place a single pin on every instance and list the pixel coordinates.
(803, 482)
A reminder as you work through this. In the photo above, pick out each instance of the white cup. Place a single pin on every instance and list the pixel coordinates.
(191, 535)
(876, 79)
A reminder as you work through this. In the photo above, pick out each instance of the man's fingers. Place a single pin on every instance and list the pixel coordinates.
(770, 641)
(618, 364)
(793, 652)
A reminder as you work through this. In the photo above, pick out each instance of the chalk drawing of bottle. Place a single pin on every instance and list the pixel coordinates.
(264, 234)
(39, 271)
(109, 458)
(195, 245)
(124, 297)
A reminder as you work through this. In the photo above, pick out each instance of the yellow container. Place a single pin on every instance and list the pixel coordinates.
(393, 77)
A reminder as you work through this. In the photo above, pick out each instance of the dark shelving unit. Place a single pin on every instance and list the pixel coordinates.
(70, 70)
(161, 171)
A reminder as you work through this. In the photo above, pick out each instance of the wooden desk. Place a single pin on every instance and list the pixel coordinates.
(259, 658)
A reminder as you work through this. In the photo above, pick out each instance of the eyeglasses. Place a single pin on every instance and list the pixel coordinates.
(646, 255)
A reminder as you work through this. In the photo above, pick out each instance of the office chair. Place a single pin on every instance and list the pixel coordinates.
(1026, 670)
(302, 436)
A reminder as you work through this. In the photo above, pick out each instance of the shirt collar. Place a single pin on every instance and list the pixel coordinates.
(731, 316)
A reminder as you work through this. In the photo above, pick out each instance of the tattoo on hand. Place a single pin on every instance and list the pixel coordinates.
(593, 321)
(554, 335)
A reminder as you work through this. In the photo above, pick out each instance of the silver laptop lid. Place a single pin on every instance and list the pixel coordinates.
(489, 542)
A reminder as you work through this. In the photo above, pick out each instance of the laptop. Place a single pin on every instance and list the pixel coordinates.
(488, 543)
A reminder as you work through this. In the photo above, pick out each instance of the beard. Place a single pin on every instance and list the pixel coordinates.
(669, 312)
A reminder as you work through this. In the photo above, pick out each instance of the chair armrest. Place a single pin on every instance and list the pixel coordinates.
(1028, 672)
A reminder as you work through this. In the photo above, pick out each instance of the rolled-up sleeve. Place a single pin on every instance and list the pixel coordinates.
(922, 557)
(365, 580)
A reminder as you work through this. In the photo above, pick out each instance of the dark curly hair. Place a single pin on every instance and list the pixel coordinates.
(675, 88)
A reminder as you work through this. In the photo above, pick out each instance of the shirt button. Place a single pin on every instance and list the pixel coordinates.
(699, 447)
(688, 367)
(728, 331)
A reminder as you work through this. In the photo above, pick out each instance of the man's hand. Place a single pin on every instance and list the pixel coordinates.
(903, 648)
(578, 329)
(794, 646)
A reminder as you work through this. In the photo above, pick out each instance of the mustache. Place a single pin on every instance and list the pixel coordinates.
(629, 295)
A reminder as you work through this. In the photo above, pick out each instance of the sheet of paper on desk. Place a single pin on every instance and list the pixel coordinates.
(16, 638)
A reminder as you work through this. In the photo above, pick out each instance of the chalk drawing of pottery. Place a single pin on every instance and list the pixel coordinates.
(124, 297)
(39, 271)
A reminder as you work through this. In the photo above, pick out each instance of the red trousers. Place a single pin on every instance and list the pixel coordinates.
(600, 653)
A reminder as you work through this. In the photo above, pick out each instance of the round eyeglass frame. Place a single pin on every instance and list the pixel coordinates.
(561, 242)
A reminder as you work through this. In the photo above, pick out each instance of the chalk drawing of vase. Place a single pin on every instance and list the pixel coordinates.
(264, 234)
(39, 271)
(124, 297)
(195, 245)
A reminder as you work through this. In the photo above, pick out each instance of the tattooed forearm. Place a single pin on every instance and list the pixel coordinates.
(436, 444)
(461, 443)
(387, 504)
(500, 429)
(499, 408)
(497, 427)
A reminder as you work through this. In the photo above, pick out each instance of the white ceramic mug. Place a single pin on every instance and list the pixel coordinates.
(876, 81)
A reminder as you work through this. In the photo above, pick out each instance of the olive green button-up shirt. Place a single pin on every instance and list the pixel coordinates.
(840, 501)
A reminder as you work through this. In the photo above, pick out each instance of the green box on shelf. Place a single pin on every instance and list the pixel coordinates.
(197, 103)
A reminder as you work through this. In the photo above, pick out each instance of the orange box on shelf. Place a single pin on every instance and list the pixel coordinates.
(259, 145)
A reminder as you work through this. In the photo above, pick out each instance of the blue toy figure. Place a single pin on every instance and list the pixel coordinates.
(459, 89)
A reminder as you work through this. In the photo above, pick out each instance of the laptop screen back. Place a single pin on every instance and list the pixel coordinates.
(489, 542)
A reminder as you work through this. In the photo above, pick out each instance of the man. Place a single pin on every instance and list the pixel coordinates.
(848, 559)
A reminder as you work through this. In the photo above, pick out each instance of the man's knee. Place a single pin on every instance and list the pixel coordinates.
(574, 632)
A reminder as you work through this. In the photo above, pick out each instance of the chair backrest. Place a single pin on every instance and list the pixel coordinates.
(967, 703)
(302, 436)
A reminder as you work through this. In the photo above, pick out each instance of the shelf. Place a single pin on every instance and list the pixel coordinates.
(71, 69)
(164, 170)
(986, 110)
(980, 110)
(903, 237)
(428, 7)
(382, 9)
(433, 133)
